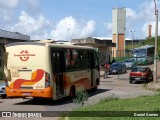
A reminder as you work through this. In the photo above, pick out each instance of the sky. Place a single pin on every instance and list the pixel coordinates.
(71, 19)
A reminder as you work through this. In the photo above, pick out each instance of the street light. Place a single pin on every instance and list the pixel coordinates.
(132, 38)
(156, 41)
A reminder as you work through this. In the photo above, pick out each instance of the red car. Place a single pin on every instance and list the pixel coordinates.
(141, 74)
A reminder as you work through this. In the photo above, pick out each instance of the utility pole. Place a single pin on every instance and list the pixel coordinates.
(132, 39)
(156, 41)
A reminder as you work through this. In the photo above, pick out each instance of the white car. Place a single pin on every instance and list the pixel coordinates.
(3, 90)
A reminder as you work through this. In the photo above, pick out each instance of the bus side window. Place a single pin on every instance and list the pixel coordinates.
(97, 60)
(68, 58)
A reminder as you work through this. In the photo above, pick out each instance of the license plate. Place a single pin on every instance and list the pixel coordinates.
(114, 71)
(26, 94)
(137, 78)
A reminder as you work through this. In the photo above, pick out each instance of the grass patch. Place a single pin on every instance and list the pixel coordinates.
(110, 98)
(112, 105)
(144, 86)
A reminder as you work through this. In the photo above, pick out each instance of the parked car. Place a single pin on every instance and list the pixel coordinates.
(3, 91)
(118, 67)
(141, 74)
(130, 63)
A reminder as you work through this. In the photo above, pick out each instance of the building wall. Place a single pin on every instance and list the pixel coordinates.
(118, 31)
(104, 54)
(118, 20)
(121, 45)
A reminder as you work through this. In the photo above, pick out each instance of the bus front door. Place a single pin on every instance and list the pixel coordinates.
(58, 67)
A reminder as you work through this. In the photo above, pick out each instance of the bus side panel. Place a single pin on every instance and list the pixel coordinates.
(80, 79)
(95, 76)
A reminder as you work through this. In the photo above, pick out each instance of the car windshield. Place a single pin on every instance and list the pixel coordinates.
(2, 84)
(116, 65)
(138, 70)
(129, 60)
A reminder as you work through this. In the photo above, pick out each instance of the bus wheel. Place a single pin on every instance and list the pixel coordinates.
(72, 92)
(97, 83)
(4, 96)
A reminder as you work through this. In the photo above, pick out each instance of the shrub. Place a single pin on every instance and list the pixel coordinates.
(80, 97)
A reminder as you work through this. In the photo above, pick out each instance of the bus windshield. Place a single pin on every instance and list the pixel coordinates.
(140, 51)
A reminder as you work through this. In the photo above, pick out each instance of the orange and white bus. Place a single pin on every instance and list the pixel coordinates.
(50, 70)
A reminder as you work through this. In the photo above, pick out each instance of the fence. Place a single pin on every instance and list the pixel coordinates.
(120, 55)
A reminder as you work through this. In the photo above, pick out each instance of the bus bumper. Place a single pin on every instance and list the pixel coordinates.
(40, 93)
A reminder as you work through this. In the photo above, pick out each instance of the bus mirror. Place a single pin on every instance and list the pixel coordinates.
(7, 73)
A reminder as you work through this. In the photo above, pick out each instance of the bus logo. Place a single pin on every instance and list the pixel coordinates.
(24, 55)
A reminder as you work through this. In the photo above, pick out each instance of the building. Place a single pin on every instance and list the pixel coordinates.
(9, 37)
(129, 41)
(118, 31)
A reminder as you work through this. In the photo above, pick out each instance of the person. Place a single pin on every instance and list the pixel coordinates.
(107, 66)
(106, 70)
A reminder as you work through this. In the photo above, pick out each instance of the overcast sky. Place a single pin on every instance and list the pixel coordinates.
(69, 19)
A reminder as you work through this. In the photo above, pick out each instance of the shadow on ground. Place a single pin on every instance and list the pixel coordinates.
(61, 101)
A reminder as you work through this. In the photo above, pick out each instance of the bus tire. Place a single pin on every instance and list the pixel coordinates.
(130, 81)
(72, 92)
(4, 96)
(97, 83)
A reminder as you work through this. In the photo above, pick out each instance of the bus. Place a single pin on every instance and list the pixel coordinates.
(144, 54)
(50, 70)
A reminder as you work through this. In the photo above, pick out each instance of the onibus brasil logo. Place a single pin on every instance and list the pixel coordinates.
(24, 55)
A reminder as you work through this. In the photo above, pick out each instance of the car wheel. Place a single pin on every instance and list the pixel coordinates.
(130, 81)
(4, 96)
(146, 81)
(152, 78)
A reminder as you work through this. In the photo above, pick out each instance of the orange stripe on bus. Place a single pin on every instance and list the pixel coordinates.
(28, 83)
(19, 82)
(33, 75)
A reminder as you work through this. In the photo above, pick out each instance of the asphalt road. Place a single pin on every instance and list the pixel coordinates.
(111, 86)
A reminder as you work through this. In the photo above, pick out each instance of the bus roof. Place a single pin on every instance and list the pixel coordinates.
(56, 45)
(145, 47)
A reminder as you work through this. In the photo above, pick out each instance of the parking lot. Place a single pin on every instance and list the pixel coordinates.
(125, 76)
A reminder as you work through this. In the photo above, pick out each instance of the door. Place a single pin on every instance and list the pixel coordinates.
(92, 59)
(58, 68)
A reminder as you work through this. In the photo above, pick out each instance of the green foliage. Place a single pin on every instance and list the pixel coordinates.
(152, 42)
(1, 74)
(110, 98)
(138, 104)
(81, 97)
